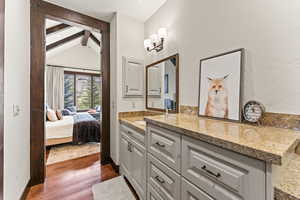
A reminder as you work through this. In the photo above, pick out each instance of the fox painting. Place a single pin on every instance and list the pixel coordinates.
(217, 103)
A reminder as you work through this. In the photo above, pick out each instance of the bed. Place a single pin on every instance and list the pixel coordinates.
(78, 129)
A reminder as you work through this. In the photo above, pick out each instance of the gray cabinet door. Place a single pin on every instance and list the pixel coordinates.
(125, 155)
(133, 161)
(191, 192)
(138, 169)
(133, 77)
(164, 145)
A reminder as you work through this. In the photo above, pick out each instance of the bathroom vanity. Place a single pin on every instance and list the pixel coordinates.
(180, 156)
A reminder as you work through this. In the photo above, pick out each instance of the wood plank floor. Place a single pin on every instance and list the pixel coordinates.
(72, 179)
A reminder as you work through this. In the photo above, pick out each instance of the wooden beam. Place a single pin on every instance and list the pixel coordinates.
(105, 70)
(85, 38)
(57, 28)
(37, 107)
(95, 39)
(65, 40)
(63, 15)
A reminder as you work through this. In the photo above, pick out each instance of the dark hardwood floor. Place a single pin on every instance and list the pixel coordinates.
(72, 179)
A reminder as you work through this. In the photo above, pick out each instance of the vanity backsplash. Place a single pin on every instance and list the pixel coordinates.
(277, 120)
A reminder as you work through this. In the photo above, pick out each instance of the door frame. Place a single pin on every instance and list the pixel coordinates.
(40, 10)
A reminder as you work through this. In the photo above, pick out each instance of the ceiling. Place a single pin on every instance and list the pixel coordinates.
(104, 9)
(64, 33)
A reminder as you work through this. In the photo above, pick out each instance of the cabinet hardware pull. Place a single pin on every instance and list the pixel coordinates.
(160, 145)
(126, 88)
(129, 147)
(218, 175)
(129, 132)
(159, 179)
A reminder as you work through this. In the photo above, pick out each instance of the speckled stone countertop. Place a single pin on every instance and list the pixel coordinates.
(134, 122)
(272, 145)
(263, 143)
(286, 179)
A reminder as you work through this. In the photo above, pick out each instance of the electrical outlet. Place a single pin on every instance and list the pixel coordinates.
(133, 104)
(16, 110)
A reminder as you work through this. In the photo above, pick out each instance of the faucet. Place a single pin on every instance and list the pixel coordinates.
(167, 112)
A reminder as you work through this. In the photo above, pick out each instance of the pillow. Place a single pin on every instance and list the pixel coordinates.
(51, 115)
(66, 112)
(59, 115)
(72, 109)
(98, 108)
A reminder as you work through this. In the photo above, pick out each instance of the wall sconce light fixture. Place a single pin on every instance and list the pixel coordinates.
(156, 41)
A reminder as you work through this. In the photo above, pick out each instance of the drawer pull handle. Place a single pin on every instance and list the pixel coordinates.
(160, 145)
(218, 175)
(129, 147)
(162, 181)
(129, 132)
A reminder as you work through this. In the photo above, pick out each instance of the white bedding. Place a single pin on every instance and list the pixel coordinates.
(60, 129)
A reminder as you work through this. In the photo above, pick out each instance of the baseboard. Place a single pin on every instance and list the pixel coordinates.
(113, 164)
(26, 191)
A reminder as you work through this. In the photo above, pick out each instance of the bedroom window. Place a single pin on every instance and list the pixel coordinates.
(69, 90)
(82, 90)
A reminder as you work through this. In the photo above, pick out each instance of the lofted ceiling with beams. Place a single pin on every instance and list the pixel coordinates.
(65, 43)
(60, 37)
(104, 9)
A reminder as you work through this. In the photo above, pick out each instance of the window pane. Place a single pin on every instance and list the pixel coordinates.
(69, 85)
(97, 91)
(83, 92)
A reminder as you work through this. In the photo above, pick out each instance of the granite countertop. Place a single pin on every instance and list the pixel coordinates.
(272, 145)
(286, 179)
(134, 122)
(263, 143)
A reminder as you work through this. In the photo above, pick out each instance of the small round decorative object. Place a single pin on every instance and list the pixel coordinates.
(253, 111)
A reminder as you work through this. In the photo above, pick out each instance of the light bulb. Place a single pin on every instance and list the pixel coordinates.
(162, 33)
(147, 43)
(154, 38)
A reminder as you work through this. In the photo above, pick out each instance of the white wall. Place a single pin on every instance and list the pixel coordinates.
(77, 56)
(114, 147)
(127, 40)
(268, 30)
(17, 91)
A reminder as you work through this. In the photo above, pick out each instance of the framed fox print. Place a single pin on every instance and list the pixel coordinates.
(220, 86)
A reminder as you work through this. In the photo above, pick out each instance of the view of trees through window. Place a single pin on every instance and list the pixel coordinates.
(69, 90)
(82, 90)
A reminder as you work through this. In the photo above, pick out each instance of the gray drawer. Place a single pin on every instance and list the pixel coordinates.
(223, 174)
(164, 145)
(191, 192)
(135, 135)
(153, 195)
(163, 179)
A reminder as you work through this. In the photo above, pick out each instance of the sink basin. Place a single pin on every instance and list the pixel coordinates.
(141, 122)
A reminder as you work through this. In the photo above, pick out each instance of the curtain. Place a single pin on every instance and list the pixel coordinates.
(54, 88)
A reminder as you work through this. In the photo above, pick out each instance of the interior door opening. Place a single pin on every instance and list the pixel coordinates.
(89, 82)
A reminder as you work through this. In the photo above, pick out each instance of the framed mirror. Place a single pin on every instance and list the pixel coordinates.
(162, 85)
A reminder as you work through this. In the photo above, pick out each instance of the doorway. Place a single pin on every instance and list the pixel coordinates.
(41, 10)
(73, 84)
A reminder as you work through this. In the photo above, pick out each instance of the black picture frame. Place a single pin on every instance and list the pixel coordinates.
(242, 51)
